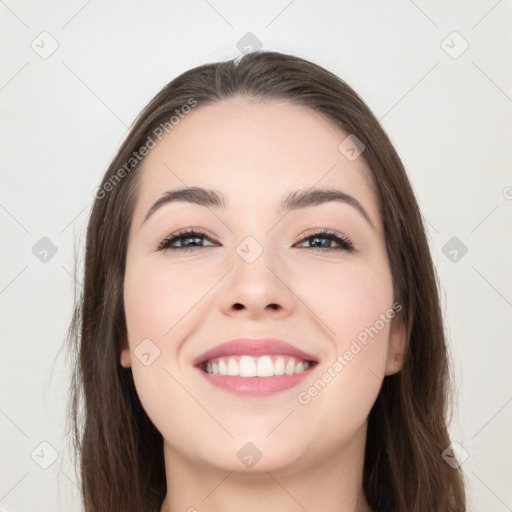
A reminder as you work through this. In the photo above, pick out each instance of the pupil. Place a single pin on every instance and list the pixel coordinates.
(195, 238)
(319, 238)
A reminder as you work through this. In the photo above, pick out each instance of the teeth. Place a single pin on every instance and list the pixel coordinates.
(233, 367)
(279, 367)
(264, 366)
(290, 367)
(299, 368)
(247, 367)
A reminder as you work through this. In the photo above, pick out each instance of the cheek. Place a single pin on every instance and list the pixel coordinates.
(346, 299)
(164, 304)
(162, 307)
(354, 307)
(160, 300)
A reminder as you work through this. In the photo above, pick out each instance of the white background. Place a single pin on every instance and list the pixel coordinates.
(64, 116)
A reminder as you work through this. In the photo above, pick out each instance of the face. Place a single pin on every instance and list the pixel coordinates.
(258, 271)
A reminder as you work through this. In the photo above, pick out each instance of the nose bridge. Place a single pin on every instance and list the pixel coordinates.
(255, 283)
(252, 264)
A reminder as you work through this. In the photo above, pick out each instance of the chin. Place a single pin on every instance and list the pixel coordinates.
(253, 455)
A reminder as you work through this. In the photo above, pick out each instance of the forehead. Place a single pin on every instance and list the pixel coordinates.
(254, 152)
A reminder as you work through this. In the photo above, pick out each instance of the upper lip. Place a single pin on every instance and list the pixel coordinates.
(253, 347)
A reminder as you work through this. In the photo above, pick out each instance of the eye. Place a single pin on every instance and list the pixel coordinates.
(343, 241)
(195, 235)
(183, 238)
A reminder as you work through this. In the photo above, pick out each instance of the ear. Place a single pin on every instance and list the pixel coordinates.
(397, 345)
(125, 357)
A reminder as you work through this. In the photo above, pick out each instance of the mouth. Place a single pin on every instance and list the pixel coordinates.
(255, 367)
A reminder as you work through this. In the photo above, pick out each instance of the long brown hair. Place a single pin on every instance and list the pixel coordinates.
(119, 449)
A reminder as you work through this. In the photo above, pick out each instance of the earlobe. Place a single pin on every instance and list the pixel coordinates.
(125, 357)
(397, 345)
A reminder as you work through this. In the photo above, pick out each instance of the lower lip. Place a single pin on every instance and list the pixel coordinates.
(255, 386)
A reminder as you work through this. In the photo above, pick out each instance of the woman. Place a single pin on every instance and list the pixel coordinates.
(260, 324)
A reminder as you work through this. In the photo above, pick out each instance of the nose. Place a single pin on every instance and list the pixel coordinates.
(257, 289)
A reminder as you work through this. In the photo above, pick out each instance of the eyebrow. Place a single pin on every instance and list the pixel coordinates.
(293, 201)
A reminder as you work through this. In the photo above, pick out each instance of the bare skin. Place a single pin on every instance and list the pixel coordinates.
(317, 299)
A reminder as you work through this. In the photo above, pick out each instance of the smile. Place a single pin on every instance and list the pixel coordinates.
(248, 376)
(254, 367)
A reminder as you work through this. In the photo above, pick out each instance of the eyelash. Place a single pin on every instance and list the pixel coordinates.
(344, 241)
